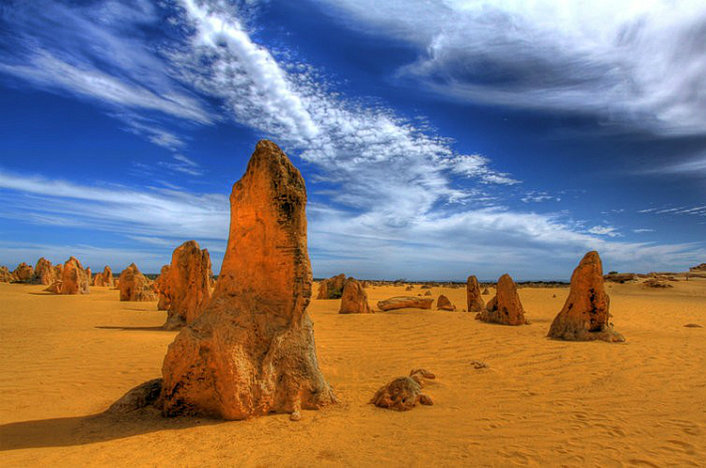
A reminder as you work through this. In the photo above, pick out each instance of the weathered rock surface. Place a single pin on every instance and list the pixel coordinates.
(505, 308)
(405, 302)
(657, 284)
(134, 286)
(332, 288)
(354, 299)
(74, 279)
(44, 272)
(252, 351)
(443, 303)
(473, 296)
(403, 393)
(23, 273)
(585, 315)
(485, 292)
(161, 285)
(188, 285)
(5, 275)
(699, 267)
(427, 292)
(105, 278)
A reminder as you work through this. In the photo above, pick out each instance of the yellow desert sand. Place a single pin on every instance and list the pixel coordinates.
(66, 359)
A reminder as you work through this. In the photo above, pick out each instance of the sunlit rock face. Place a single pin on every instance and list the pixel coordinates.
(505, 308)
(252, 350)
(134, 286)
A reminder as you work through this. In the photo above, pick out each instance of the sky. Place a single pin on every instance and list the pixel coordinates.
(437, 138)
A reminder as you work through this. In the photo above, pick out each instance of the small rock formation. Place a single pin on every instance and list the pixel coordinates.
(403, 393)
(188, 285)
(332, 288)
(443, 303)
(428, 292)
(473, 295)
(585, 315)
(697, 268)
(505, 308)
(23, 273)
(409, 288)
(405, 302)
(5, 275)
(105, 278)
(354, 299)
(479, 365)
(252, 351)
(655, 283)
(161, 285)
(74, 279)
(620, 277)
(134, 286)
(485, 292)
(44, 272)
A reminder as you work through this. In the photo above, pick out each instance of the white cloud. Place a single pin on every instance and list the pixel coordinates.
(642, 230)
(638, 63)
(538, 197)
(604, 231)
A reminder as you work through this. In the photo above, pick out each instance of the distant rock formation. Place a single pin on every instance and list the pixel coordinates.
(656, 283)
(44, 273)
(188, 284)
(698, 268)
(585, 315)
(104, 279)
(485, 292)
(505, 308)
(74, 279)
(252, 351)
(443, 303)
(473, 296)
(403, 393)
(332, 288)
(5, 275)
(23, 273)
(134, 286)
(621, 277)
(427, 292)
(161, 285)
(354, 299)
(405, 302)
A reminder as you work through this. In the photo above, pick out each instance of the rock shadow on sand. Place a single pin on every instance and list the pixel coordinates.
(109, 327)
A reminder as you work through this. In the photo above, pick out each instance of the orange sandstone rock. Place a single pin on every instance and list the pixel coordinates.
(403, 393)
(5, 275)
(473, 295)
(134, 286)
(23, 273)
(44, 273)
(354, 299)
(74, 279)
(332, 288)
(443, 303)
(404, 302)
(585, 315)
(252, 350)
(505, 308)
(105, 278)
(161, 285)
(188, 285)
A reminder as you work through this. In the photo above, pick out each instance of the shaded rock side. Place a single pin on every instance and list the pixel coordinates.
(505, 308)
(332, 288)
(405, 302)
(105, 278)
(354, 299)
(161, 286)
(134, 286)
(23, 273)
(585, 315)
(474, 300)
(188, 284)
(443, 303)
(252, 351)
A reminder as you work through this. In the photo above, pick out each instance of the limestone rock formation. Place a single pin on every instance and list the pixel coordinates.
(74, 279)
(134, 286)
(44, 272)
(699, 267)
(427, 292)
(252, 351)
(23, 273)
(187, 284)
(161, 285)
(485, 292)
(473, 296)
(354, 299)
(403, 393)
(585, 315)
(332, 288)
(443, 303)
(505, 308)
(105, 278)
(621, 277)
(405, 302)
(5, 275)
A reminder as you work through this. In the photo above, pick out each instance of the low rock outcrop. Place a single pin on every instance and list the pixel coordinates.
(23, 273)
(473, 295)
(354, 299)
(657, 284)
(443, 303)
(621, 277)
(403, 393)
(105, 278)
(505, 308)
(332, 288)
(44, 272)
(5, 275)
(405, 302)
(585, 315)
(188, 285)
(134, 286)
(698, 268)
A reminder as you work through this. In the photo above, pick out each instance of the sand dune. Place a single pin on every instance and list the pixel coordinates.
(65, 359)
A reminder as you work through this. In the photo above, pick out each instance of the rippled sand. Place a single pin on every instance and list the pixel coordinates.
(65, 359)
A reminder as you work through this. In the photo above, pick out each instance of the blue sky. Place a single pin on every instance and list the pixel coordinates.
(437, 138)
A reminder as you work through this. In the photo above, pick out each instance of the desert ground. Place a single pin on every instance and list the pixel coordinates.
(66, 358)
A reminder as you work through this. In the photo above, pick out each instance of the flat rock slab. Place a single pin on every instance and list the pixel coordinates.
(405, 302)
